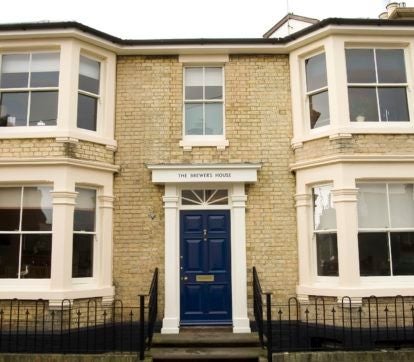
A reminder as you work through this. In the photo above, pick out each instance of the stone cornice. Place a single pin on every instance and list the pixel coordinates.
(58, 161)
(355, 158)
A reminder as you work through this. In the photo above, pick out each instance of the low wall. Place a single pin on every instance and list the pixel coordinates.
(349, 356)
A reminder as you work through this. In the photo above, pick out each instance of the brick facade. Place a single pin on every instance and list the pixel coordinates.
(148, 130)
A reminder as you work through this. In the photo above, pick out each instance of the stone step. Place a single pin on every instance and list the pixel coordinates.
(206, 338)
(205, 354)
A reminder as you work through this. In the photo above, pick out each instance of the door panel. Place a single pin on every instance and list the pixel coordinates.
(205, 267)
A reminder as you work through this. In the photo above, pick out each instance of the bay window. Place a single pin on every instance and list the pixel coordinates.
(25, 232)
(317, 90)
(324, 217)
(88, 93)
(386, 229)
(203, 101)
(377, 85)
(29, 89)
(84, 234)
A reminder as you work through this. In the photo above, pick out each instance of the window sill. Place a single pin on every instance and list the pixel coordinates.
(36, 290)
(385, 287)
(355, 128)
(203, 141)
(54, 132)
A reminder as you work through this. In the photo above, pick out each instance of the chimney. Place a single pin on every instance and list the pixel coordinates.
(397, 10)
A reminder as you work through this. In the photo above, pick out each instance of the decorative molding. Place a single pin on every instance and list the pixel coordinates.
(58, 161)
(338, 136)
(302, 298)
(170, 202)
(67, 140)
(296, 145)
(238, 201)
(204, 59)
(303, 200)
(188, 144)
(344, 195)
(111, 147)
(64, 197)
(106, 201)
(355, 158)
(107, 300)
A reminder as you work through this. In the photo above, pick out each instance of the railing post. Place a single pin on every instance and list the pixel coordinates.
(141, 327)
(269, 326)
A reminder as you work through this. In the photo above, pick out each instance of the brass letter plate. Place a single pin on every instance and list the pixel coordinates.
(205, 278)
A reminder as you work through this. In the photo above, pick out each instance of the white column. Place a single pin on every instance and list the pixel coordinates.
(106, 204)
(171, 321)
(345, 201)
(304, 226)
(238, 260)
(63, 210)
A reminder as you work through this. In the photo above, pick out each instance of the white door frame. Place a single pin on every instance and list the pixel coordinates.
(175, 177)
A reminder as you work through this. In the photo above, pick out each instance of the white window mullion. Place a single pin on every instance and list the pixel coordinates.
(204, 101)
(389, 227)
(20, 232)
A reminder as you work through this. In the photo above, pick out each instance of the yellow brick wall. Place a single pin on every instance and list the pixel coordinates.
(358, 144)
(49, 148)
(148, 130)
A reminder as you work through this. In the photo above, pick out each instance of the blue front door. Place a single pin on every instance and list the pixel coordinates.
(205, 267)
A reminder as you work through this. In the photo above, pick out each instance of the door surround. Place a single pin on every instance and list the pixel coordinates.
(229, 176)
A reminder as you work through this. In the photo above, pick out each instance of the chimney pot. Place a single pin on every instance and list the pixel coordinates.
(391, 7)
(383, 15)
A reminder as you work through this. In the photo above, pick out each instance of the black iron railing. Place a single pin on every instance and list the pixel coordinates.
(85, 326)
(326, 324)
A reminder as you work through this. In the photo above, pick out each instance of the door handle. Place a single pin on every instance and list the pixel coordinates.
(205, 234)
(184, 278)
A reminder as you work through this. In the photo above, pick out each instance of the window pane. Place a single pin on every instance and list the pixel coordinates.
(373, 254)
(36, 256)
(402, 251)
(9, 255)
(87, 110)
(316, 72)
(327, 254)
(401, 205)
(323, 208)
(193, 83)
(37, 209)
(82, 262)
(214, 119)
(10, 199)
(393, 104)
(360, 66)
(363, 105)
(391, 66)
(217, 197)
(85, 210)
(89, 74)
(194, 119)
(15, 71)
(13, 109)
(43, 109)
(45, 70)
(214, 83)
(372, 206)
(319, 109)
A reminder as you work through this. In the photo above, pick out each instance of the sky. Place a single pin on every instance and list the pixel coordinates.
(165, 19)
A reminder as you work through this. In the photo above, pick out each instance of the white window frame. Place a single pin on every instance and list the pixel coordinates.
(189, 141)
(387, 231)
(96, 244)
(377, 85)
(30, 89)
(314, 232)
(308, 94)
(20, 232)
(98, 96)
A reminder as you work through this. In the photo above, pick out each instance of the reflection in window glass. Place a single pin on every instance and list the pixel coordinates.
(401, 205)
(15, 71)
(85, 210)
(44, 70)
(372, 206)
(402, 248)
(363, 105)
(82, 261)
(360, 66)
(204, 197)
(391, 66)
(89, 75)
(203, 101)
(327, 254)
(25, 232)
(316, 72)
(323, 208)
(13, 109)
(374, 259)
(319, 109)
(87, 110)
(43, 109)
(393, 104)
